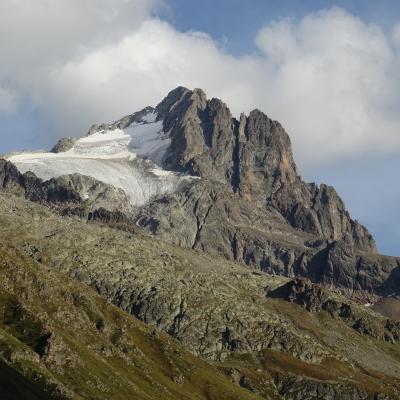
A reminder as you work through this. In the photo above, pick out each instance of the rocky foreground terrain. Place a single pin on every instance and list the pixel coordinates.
(260, 336)
(230, 277)
(59, 340)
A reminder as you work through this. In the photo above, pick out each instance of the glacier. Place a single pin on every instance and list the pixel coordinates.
(129, 159)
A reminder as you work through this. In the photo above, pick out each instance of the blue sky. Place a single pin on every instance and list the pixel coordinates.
(239, 21)
(328, 70)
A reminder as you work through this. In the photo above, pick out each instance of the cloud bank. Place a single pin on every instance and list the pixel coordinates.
(330, 78)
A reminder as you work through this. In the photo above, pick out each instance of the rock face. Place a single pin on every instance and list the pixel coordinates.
(316, 298)
(294, 387)
(64, 144)
(254, 158)
(389, 307)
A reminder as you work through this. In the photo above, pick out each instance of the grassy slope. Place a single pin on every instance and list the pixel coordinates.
(95, 351)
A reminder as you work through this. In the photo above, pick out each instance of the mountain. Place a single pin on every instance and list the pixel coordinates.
(193, 175)
(230, 277)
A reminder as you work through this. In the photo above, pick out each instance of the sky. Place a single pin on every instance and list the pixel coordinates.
(327, 70)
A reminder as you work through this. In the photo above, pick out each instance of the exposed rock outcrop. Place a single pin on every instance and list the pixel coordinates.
(63, 145)
(208, 216)
(315, 298)
(122, 123)
(297, 387)
(389, 307)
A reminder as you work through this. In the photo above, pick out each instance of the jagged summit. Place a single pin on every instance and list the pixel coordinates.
(254, 157)
(207, 141)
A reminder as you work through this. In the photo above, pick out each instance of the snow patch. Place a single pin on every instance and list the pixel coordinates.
(150, 117)
(129, 159)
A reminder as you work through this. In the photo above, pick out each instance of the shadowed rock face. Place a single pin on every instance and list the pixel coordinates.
(315, 298)
(389, 307)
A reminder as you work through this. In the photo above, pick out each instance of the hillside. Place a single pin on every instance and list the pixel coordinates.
(265, 341)
(59, 340)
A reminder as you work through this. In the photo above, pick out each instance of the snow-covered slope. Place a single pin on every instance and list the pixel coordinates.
(129, 158)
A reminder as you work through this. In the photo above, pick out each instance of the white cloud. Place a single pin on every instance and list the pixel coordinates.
(37, 36)
(331, 79)
(141, 69)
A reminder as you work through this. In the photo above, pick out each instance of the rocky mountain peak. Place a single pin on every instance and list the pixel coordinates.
(253, 156)
(246, 164)
(207, 141)
(64, 144)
